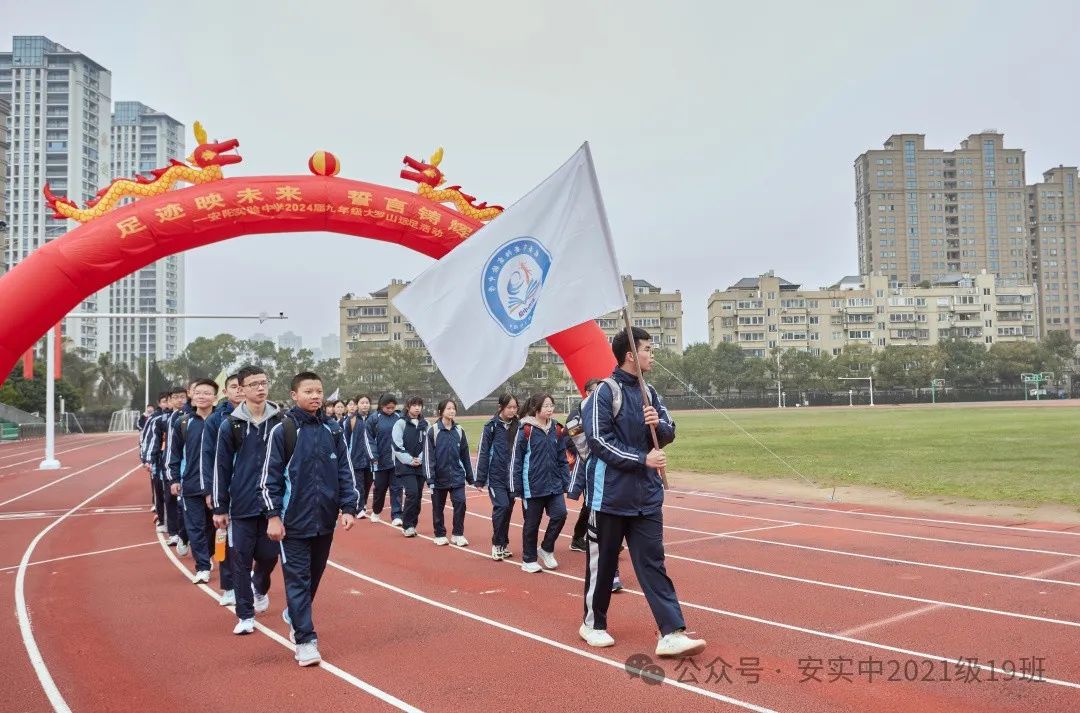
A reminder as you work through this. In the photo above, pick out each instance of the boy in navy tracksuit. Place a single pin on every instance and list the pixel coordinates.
(192, 485)
(626, 497)
(380, 429)
(541, 474)
(493, 471)
(408, 438)
(159, 442)
(145, 439)
(356, 435)
(240, 453)
(304, 491)
(209, 447)
(447, 468)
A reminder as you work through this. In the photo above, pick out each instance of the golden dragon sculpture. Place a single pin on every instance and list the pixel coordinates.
(206, 162)
(430, 180)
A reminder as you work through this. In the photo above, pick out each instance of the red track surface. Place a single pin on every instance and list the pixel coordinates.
(402, 622)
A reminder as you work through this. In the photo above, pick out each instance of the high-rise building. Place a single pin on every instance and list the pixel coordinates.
(144, 139)
(924, 214)
(331, 347)
(5, 144)
(288, 340)
(763, 313)
(60, 102)
(1053, 207)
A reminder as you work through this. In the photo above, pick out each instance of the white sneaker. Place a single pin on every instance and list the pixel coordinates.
(548, 558)
(531, 567)
(182, 550)
(677, 643)
(287, 620)
(375, 517)
(440, 541)
(496, 553)
(161, 528)
(244, 626)
(201, 577)
(262, 601)
(409, 532)
(228, 599)
(596, 637)
(506, 552)
(396, 522)
(459, 540)
(361, 515)
(173, 540)
(308, 654)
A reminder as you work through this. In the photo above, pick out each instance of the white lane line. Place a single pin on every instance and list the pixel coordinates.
(1009, 528)
(923, 610)
(70, 475)
(782, 625)
(848, 588)
(878, 558)
(621, 665)
(59, 453)
(23, 614)
(725, 534)
(81, 554)
(273, 635)
(964, 543)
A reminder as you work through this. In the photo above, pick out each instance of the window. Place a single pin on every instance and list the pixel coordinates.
(752, 320)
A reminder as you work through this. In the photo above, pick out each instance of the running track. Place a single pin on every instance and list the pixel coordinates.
(99, 617)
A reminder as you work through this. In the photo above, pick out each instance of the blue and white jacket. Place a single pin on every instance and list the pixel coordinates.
(380, 429)
(493, 458)
(184, 455)
(359, 444)
(408, 437)
(210, 431)
(238, 473)
(617, 480)
(316, 483)
(538, 459)
(446, 461)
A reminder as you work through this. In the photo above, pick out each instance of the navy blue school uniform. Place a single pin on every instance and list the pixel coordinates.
(360, 451)
(159, 445)
(307, 489)
(145, 439)
(185, 466)
(541, 474)
(626, 498)
(237, 493)
(493, 471)
(447, 468)
(380, 431)
(408, 437)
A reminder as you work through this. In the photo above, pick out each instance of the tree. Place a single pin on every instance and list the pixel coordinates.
(1059, 343)
(203, 358)
(29, 396)
(728, 362)
(963, 363)
(1008, 360)
(537, 376)
(698, 366)
(113, 381)
(756, 376)
(668, 371)
(911, 367)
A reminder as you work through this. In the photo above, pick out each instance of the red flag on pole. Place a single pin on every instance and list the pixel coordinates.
(28, 365)
(59, 353)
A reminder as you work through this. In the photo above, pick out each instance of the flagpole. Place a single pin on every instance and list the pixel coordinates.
(644, 389)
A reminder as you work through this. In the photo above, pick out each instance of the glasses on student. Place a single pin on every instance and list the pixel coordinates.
(257, 385)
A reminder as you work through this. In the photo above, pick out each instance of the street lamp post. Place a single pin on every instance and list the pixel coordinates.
(50, 462)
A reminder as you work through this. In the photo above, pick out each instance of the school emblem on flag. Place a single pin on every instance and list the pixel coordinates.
(513, 278)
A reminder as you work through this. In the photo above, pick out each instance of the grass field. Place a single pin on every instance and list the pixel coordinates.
(1027, 455)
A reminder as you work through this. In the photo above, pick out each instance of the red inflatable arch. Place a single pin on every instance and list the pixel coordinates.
(54, 279)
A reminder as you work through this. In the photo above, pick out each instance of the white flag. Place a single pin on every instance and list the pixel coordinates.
(546, 264)
(334, 396)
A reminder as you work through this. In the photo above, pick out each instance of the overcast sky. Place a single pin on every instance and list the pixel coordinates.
(724, 133)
